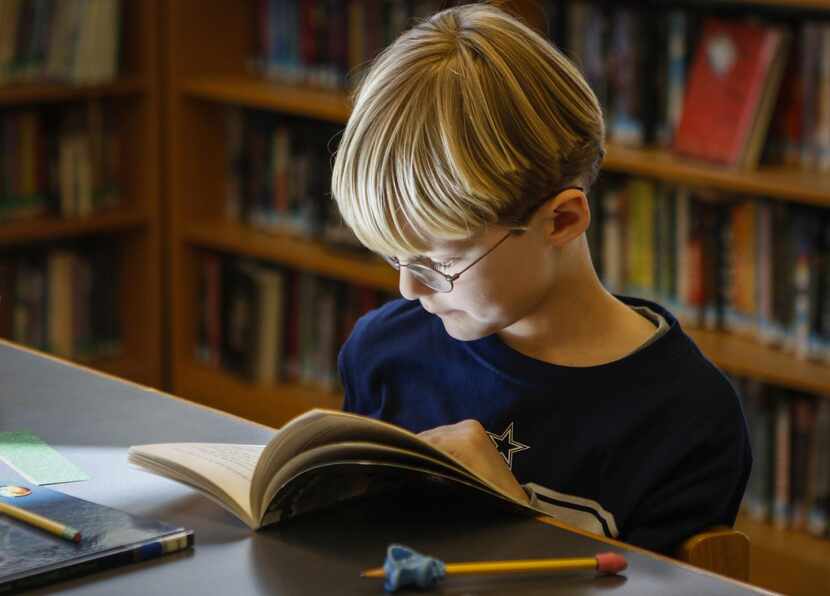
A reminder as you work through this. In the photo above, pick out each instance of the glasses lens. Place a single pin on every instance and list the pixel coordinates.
(430, 277)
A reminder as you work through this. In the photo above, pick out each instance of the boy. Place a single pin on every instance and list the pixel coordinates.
(466, 161)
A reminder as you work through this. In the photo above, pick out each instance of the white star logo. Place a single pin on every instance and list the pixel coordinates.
(506, 445)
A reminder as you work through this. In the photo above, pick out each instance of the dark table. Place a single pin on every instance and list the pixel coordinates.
(92, 419)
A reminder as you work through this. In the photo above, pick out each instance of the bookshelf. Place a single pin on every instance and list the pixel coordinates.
(133, 98)
(23, 93)
(207, 69)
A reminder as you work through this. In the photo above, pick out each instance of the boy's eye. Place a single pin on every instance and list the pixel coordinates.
(443, 266)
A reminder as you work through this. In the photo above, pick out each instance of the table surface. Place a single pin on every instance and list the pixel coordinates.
(93, 419)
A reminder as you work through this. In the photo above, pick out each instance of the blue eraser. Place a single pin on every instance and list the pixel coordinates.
(406, 567)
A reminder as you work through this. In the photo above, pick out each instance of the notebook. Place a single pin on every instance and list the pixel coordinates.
(32, 557)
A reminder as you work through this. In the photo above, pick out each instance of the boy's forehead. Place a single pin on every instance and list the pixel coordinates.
(450, 247)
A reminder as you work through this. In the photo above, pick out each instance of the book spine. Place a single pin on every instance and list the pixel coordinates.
(823, 129)
(819, 505)
(119, 558)
(781, 496)
(612, 265)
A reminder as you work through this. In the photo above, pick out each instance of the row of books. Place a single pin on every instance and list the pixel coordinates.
(68, 41)
(72, 173)
(635, 62)
(751, 266)
(802, 134)
(706, 86)
(64, 300)
(789, 485)
(271, 325)
(326, 42)
(278, 171)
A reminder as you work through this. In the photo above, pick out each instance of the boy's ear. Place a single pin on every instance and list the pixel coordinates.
(566, 216)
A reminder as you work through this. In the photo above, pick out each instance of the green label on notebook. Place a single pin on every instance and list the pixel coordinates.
(36, 461)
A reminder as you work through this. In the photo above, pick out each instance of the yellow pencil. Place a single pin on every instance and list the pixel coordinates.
(604, 563)
(44, 523)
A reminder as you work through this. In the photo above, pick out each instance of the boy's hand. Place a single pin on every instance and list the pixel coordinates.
(468, 442)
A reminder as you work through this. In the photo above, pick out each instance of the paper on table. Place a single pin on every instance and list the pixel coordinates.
(36, 461)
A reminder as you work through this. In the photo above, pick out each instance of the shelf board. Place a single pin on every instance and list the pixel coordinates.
(803, 186)
(52, 228)
(786, 560)
(293, 251)
(747, 357)
(321, 104)
(272, 406)
(28, 93)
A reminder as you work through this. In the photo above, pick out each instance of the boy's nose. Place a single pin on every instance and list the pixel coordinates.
(411, 287)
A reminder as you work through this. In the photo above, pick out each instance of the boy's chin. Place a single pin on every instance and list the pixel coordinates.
(457, 329)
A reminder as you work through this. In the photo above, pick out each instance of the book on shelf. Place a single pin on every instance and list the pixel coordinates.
(314, 461)
(276, 168)
(269, 324)
(753, 266)
(732, 88)
(70, 41)
(642, 79)
(818, 503)
(326, 43)
(789, 485)
(62, 300)
(74, 173)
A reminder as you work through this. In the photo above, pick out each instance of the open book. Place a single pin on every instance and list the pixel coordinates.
(315, 460)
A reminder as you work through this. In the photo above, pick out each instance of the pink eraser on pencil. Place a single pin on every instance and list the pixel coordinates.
(610, 563)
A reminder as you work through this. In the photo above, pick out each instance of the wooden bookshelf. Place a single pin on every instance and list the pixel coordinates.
(293, 251)
(749, 358)
(135, 226)
(785, 560)
(273, 406)
(54, 228)
(257, 93)
(124, 367)
(781, 183)
(736, 355)
(29, 93)
(209, 46)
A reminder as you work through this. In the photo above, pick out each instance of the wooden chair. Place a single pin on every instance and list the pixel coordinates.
(721, 550)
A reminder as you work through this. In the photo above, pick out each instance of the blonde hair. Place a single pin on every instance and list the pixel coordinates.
(468, 119)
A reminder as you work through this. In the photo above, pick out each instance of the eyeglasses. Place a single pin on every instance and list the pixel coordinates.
(424, 269)
(426, 273)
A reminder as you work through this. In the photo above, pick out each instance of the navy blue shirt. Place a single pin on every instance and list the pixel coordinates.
(650, 449)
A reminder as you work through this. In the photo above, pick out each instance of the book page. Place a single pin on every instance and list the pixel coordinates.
(221, 469)
(354, 451)
(326, 427)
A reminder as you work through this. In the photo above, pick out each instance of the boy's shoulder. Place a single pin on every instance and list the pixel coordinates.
(676, 360)
(395, 320)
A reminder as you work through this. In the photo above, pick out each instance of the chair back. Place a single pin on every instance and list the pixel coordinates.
(721, 550)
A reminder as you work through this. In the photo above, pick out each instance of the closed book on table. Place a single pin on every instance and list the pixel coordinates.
(109, 538)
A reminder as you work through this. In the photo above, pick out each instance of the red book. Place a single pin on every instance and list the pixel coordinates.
(732, 77)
